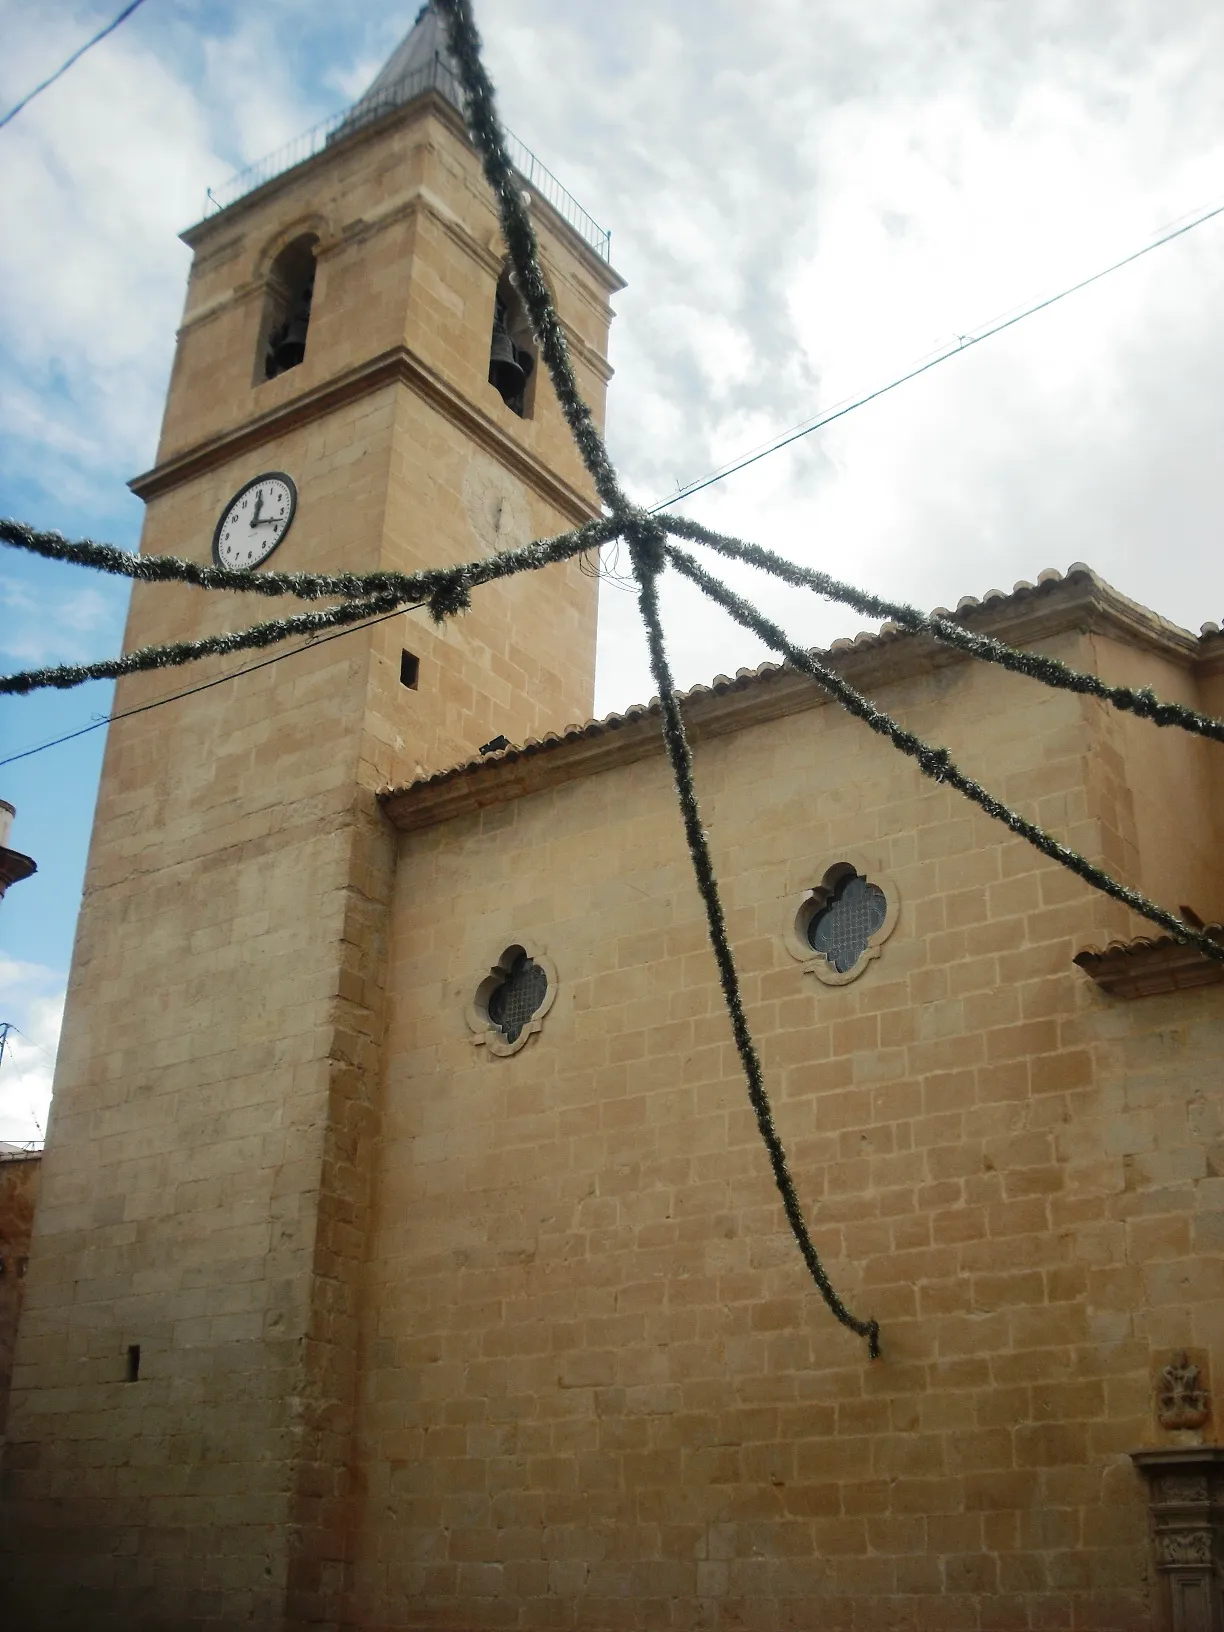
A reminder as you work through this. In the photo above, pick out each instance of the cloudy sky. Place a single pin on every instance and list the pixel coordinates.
(806, 197)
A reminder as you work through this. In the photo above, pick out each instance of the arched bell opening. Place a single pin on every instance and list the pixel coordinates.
(512, 349)
(291, 282)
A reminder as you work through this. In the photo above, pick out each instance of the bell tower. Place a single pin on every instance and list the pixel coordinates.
(354, 388)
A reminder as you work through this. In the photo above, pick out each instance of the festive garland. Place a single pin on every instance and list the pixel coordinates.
(190, 651)
(681, 758)
(1052, 671)
(444, 590)
(447, 591)
(437, 585)
(646, 540)
(488, 136)
(935, 762)
(310, 586)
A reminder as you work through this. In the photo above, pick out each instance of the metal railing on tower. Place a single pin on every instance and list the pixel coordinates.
(431, 76)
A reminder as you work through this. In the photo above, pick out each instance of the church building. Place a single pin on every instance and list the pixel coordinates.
(406, 1254)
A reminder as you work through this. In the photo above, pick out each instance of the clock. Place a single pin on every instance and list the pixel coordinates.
(255, 520)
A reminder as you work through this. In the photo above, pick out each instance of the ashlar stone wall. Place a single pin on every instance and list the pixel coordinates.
(598, 1389)
(208, 1160)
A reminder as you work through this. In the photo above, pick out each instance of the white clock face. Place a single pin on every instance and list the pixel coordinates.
(254, 521)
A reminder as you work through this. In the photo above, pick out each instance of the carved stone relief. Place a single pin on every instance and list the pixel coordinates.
(1176, 1488)
(1186, 1510)
(1181, 1400)
(1184, 1547)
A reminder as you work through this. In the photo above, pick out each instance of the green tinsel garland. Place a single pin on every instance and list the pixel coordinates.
(447, 591)
(646, 543)
(935, 762)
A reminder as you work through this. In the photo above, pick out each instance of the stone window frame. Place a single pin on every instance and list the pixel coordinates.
(484, 1032)
(288, 290)
(267, 284)
(806, 905)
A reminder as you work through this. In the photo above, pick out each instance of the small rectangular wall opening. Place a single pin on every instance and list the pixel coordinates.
(410, 670)
(133, 1362)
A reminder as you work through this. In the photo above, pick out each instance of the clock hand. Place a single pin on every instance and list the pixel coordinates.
(258, 509)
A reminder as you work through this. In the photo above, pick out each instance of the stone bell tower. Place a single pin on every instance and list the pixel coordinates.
(354, 388)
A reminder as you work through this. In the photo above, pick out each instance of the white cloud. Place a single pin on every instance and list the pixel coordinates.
(32, 1001)
(102, 174)
(805, 195)
(810, 199)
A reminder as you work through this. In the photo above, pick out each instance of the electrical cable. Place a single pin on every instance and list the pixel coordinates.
(25, 1037)
(445, 589)
(446, 592)
(7, 1030)
(63, 676)
(964, 342)
(207, 685)
(75, 57)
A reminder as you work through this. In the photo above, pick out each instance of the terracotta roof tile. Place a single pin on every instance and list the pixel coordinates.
(993, 601)
(1151, 965)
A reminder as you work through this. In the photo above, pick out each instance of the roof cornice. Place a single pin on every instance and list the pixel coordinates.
(429, 102)
(1080, 601)
(398, 366)
(1151, 967)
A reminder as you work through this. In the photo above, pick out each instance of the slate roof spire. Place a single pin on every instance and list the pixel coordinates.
(420, 62)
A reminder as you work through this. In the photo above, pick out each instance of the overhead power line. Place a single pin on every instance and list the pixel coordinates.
(964, 342)
(75, 57)
(207, 685)
(8, 1027)
(446, 593)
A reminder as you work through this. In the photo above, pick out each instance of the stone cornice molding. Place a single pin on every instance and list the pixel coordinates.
(420, 201)
(14, 867)
(587, 355)
(398, 366)
(1081, 602)
(429, 103)
(472, 789)
(1151, 966)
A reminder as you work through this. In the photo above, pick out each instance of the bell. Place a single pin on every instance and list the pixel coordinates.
(287, 342)
(505, 370)
(288, 345)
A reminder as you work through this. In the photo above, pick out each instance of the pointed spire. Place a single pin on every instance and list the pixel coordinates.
(420, 62)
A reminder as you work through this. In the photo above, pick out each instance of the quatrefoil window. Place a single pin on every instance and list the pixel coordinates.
(842, 930)
(512, 1004)
(512, 1000)
(840, 926)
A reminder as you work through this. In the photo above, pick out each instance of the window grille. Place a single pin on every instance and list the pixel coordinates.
(512, 1004)
(842, 931)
